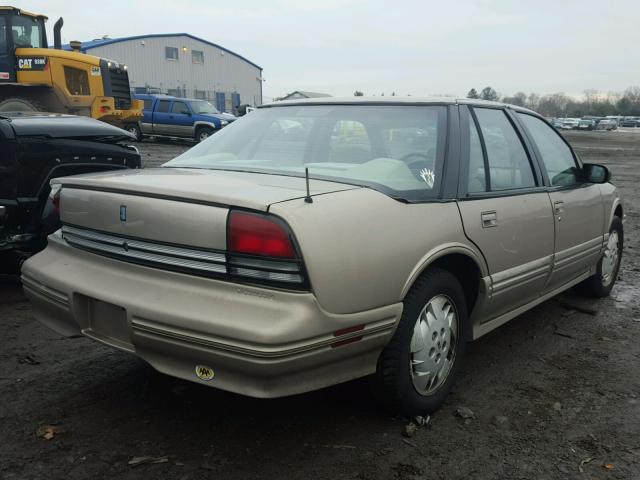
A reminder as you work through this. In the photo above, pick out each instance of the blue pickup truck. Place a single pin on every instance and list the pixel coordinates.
(166, 116)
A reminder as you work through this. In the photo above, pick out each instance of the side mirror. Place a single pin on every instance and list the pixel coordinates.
(595, 173)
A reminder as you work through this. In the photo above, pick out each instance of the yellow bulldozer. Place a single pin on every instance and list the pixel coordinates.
(34, 77)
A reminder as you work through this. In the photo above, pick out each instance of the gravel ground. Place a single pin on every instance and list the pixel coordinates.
(554, 394)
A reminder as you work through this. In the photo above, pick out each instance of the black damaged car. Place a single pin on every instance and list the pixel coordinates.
(34, 148)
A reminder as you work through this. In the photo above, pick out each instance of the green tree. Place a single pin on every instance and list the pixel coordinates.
(358, 93)
(473, 93)
(488, 93)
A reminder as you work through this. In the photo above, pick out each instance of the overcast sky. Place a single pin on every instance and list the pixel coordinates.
(410, 47)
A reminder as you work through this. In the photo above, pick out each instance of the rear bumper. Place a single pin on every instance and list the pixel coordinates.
(259, 342)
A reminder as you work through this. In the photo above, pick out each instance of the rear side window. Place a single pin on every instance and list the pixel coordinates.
(556, 154)
(164, 106)
(147, 104)
(508, 162)
(477, 175)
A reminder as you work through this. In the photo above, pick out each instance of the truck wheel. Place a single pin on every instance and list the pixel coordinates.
(20, 104)
(203, 133)
(418, 367)
(135, 130)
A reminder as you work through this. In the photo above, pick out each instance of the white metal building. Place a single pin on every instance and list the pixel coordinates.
(183, 65)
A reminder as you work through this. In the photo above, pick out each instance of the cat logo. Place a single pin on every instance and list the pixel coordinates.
(204, 373)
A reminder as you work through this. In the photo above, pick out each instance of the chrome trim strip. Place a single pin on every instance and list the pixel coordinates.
(159, 255)
(140, 255)
(520, 275)
(145, 246)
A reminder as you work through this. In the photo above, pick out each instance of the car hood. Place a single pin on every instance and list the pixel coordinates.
(219, 116)
(67, 126)
(243, 189)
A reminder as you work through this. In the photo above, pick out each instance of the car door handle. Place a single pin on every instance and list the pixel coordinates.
(558, 207)
(489, 219)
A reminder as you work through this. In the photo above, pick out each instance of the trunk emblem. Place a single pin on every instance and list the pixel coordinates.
(123, 213)
(204, 373)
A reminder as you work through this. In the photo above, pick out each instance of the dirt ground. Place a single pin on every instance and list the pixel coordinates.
(555, 395)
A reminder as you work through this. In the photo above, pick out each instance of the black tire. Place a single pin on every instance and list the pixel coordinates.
(21, 104)
(135, 130)
(203, 133)
(392, 383)
(596, 285)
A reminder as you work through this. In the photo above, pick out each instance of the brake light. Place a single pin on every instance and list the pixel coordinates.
(255, 234)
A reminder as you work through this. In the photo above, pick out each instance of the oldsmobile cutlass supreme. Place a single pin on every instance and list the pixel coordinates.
(314, 242)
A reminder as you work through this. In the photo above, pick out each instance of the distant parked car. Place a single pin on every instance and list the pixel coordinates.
(313, 242)
(629, 122)
(607, 124)
(167, 116)
(586, 124)
(570, 124)
(557, 123)
(34, 148)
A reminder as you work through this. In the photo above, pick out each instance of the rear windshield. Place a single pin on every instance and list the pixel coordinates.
(395, 149)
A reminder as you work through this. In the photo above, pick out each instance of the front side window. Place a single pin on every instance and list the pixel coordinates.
(556, 154)
(27, 32)
(395, 149)
(197, 56)
(180, 108)
(171, 53)
(77, 81)
(508, 162)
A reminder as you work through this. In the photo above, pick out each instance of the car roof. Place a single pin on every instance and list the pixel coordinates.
(162, 96)
(394, 100)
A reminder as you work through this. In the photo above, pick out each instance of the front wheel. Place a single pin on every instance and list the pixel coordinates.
(203, 133)
(417, 369)
(601, 283)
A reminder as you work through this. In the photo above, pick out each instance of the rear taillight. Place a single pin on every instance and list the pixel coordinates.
(256, 234)
(261, 248)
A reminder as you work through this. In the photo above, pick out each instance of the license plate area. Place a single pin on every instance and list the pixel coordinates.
(105, 322)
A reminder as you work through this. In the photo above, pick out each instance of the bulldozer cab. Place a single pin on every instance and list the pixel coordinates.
(18, 29)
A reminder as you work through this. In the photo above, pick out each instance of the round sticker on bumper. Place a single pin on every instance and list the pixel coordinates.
(204, 373)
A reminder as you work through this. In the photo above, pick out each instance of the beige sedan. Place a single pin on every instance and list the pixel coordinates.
(314, 242)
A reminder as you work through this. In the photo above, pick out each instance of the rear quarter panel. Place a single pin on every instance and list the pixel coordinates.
(363, 249)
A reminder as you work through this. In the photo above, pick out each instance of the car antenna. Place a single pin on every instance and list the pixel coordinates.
(308, 198)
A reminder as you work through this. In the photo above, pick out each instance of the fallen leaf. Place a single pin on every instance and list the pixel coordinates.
(410, 430)
(48, 431)
(464, 412)
(584, 462)
(135, 461)
(608, 466)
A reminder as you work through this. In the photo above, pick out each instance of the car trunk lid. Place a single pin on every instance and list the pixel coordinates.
(180, 207)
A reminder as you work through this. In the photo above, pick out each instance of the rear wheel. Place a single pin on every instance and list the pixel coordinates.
(418, 367)
(601, 284)
(203, 133)
(20, 104)
(135, 130)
